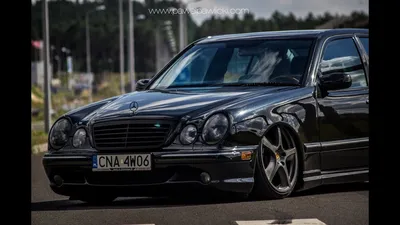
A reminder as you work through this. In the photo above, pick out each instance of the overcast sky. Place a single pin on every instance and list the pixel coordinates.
(264, 8)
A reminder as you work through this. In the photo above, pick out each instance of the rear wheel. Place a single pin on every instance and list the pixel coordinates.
(277, 165)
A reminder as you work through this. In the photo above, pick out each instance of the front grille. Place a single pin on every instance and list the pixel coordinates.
(131, 134)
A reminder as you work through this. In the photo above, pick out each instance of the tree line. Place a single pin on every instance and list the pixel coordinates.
(67, 29)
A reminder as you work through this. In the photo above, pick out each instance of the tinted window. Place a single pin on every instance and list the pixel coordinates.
(342, 56)
(245, 61)
(365, 44)
(237, 67)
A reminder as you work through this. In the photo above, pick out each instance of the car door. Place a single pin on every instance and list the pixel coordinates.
(343, 115)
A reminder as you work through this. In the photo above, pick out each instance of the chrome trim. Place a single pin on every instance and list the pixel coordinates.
(203, 148)
(312, 148)
(228, 154)
(226, 151)
(311, 171)
(344, 142)
(332, 175)
(239, 180)
(312, 145)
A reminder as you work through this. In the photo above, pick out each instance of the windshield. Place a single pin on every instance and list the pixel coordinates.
(244, 62)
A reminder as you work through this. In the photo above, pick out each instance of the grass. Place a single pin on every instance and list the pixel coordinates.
(58, 100)
(38, 137)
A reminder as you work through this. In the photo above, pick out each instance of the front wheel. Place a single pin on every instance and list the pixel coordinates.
(277, 165)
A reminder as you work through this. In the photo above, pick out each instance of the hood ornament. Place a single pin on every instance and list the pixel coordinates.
(134, 106)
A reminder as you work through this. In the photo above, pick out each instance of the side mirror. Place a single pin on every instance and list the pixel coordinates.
(335, 81)
(141, 84)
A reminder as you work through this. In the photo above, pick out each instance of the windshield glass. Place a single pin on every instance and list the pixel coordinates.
(244, 62)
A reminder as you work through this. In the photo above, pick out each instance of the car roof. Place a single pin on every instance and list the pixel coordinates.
(283, 34)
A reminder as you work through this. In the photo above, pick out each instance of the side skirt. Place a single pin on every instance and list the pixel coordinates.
(314, 178)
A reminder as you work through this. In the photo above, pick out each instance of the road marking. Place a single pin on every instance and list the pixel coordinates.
(288, 221)
(270, 222)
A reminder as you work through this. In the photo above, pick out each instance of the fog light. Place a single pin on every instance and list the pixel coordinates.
(205, 178)
(58, 180)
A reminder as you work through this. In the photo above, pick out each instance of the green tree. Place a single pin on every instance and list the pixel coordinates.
(67, 29)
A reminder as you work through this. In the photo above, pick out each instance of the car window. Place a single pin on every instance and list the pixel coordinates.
(342, 56)
(364, 42)
(195, 67)
(238, 62)
(237, 67)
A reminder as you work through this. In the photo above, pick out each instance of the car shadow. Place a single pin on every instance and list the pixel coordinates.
(334, 188)
(141, 203)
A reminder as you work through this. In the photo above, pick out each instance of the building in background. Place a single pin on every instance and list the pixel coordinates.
(37, 65)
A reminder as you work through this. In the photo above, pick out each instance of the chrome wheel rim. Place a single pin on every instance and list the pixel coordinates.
(279, 159)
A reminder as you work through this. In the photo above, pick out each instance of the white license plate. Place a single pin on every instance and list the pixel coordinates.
(135, 162)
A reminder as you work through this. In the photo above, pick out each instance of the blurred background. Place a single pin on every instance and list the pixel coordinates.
(99, 48)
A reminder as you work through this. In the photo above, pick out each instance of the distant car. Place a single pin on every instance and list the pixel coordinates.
(252, 114)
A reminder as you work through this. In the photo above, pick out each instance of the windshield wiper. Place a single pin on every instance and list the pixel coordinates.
(188, 85)
(230, 85)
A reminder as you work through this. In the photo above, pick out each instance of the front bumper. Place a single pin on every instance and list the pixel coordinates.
(171, 171)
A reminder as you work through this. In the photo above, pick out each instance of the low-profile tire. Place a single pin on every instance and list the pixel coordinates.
(277, 165)
(97, 200)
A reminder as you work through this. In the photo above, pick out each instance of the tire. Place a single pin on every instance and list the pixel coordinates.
(277, 149)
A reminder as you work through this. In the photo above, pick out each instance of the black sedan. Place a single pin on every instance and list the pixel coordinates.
(261, 114)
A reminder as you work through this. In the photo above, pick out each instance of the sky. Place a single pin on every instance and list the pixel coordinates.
(264, 8)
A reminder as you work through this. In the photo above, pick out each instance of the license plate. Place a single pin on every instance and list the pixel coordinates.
(135, 162)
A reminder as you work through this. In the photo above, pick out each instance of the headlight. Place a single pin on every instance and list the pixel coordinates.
(79, 138)
(59, 133)
(215, 129)
(188, 135)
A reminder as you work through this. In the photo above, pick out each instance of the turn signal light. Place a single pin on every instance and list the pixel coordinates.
(246, 155)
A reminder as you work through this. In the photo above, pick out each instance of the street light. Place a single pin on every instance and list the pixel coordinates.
(88, 63)
(131, 46)
(65, 50)
(131, 43)
(121, 46)
(47, 78)
(121, 42)
(183, 24)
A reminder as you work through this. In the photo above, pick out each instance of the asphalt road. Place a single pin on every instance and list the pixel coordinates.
(330, 205)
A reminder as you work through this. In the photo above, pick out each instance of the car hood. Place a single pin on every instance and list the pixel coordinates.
(179, 102)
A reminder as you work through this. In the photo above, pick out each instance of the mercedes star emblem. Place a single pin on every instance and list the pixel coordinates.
(134, 106)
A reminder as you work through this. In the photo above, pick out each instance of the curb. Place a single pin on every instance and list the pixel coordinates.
(39, 148)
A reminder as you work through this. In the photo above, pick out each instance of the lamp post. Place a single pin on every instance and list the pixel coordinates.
(131, 47)
(88, 55)
(47, 78)
(121, 46)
